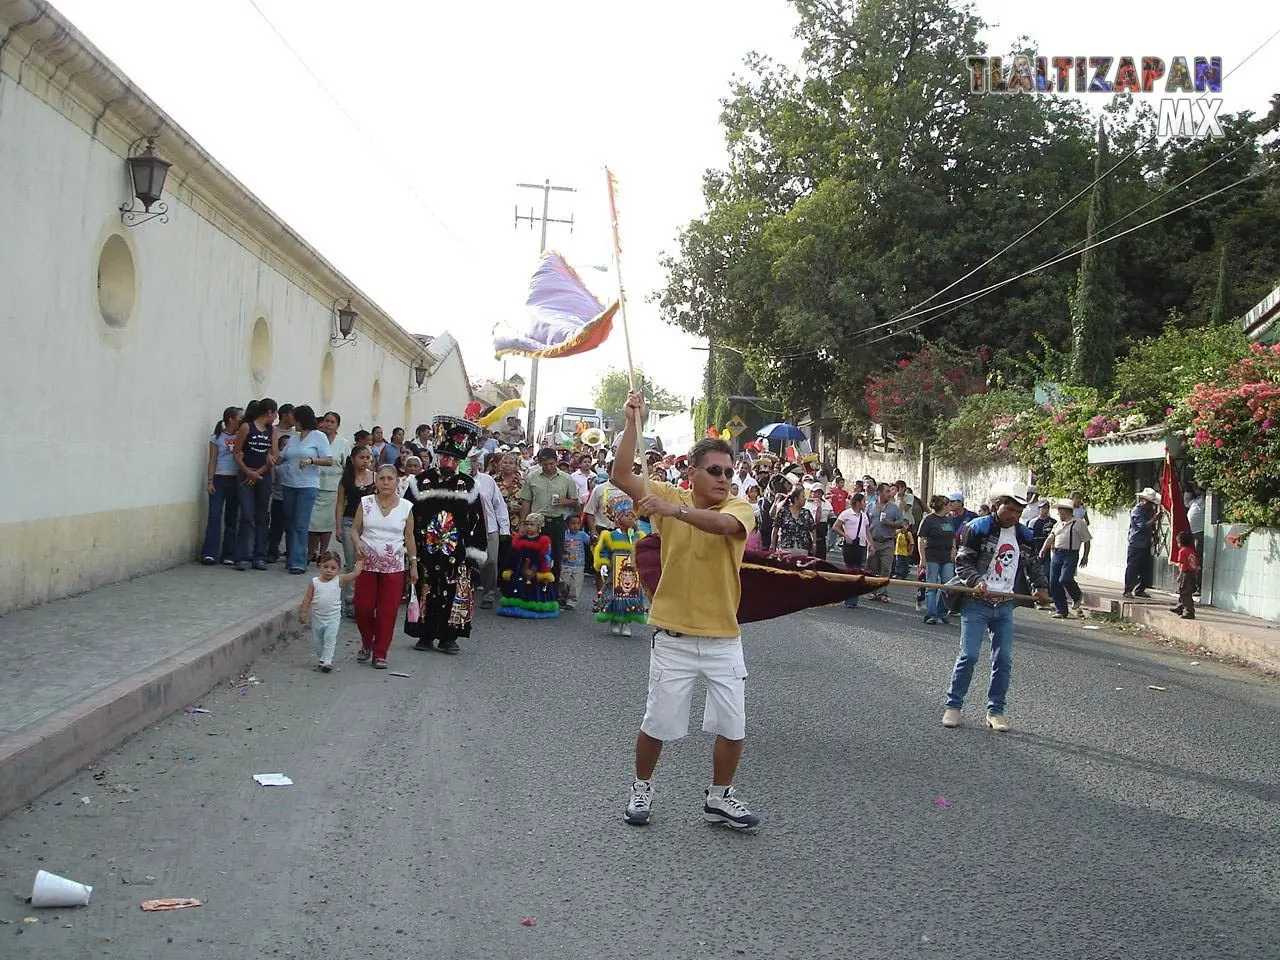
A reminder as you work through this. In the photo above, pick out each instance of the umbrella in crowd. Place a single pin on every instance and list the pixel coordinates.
(780, 431)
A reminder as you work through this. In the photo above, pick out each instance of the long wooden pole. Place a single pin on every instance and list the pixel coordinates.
(617, 267)
(889, 581)
(638, 453)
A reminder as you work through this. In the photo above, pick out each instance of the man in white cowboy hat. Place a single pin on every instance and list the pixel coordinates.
(1143, 519)
(995, 557)
(1062, 549)
(1032, 510)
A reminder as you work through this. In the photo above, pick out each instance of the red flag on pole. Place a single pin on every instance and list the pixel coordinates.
(1171, 501)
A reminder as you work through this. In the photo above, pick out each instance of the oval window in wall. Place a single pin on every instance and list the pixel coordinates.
(326, 379)
(117, 282)
(260, 352)
(408, 416)
(377, 400)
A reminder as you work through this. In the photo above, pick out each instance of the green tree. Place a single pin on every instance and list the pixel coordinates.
(611, 394)
(1095, 323)
(856, 188)
(866, 191)
(1160, 372)
(1221, 297)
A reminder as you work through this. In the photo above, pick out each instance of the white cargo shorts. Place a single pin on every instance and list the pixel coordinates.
(676, 662)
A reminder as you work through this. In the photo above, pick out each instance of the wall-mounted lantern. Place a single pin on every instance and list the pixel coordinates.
(147, 173)
(421, 370)
(344, 323)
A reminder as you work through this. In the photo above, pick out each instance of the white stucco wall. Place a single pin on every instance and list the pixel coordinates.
(113, 421)
(1246, 579)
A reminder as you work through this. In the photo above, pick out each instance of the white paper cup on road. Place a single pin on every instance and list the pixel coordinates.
(51, 890)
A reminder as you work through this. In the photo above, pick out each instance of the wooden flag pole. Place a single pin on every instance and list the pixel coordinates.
(888, 581)
(956, 588)
(622, 292)
(638, 453)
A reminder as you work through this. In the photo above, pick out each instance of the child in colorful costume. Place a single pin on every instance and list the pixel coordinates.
(621, 601)
(528, 583)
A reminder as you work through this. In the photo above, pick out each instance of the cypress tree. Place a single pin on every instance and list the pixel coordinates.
(1095, 312)
(1221, 307)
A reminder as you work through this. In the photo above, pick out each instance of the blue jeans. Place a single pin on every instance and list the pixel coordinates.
(275, 527)
(855, 555)
(298, 502)
(1062, 578)
(976, 618)
(224, 511)
(1138, 573)
(938, 573)
(348, 564)
(251, 543)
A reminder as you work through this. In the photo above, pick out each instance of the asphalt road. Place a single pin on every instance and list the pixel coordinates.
(430, 815)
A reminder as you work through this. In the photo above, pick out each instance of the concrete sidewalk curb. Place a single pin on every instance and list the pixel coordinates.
(46, 753)
(1212, 636)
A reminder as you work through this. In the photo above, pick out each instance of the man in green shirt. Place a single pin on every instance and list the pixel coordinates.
(551, 492)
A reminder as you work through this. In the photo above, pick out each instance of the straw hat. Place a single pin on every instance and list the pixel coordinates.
(1149, 495)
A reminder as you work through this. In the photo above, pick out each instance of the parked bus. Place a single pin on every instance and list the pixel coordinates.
(565, 423)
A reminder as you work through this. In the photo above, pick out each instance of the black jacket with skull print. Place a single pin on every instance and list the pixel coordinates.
(978, 544)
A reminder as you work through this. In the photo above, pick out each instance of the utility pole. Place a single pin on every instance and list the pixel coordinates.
(546, 187)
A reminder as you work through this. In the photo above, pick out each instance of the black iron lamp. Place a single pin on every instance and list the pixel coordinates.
(344, 323)
(147, 172)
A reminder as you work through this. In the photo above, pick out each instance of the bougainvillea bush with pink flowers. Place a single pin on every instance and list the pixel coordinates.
(1049, 441)
(923, 391)
(1233, 434)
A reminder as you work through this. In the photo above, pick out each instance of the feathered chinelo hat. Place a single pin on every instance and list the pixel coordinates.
(453, 436)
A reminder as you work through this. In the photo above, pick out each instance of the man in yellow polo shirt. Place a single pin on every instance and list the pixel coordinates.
(695, 610)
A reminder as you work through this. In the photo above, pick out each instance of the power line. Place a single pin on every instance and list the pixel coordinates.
(1064, 206)
(1057, 258)
(939, 310)
(978, 294)
(369, 141)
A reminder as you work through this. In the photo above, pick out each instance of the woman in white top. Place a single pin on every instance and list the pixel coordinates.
(383, 527)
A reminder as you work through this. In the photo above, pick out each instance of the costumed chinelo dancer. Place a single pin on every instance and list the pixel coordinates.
(528, 581)
(449, 530)
(621, 601)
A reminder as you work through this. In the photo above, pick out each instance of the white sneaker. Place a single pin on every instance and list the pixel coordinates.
(640, 803)
(616, 630)
(997, 722)
(626, 630)
(729, 810)
(951, 717)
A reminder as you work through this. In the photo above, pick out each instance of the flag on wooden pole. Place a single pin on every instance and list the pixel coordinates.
(562, 317)
(1171, 500)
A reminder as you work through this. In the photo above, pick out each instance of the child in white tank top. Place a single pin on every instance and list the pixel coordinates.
(323, 603)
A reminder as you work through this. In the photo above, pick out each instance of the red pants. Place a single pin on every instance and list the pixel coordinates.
(378, 597)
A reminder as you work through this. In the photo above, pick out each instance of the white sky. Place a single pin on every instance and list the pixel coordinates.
(465, 100)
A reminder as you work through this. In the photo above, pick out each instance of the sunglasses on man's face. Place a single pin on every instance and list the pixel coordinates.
(718, 471)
